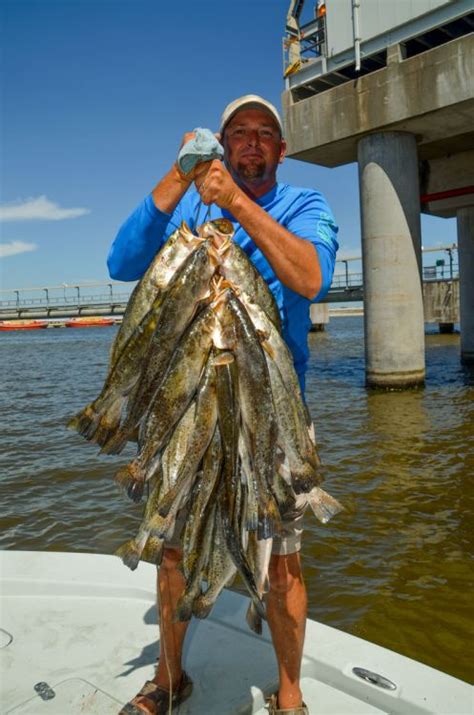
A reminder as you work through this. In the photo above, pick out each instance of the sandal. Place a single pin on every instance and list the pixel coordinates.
(273, 709)
(156, 699)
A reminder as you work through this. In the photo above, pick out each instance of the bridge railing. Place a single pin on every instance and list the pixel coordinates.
(113, 293)
(66, 295)
(346, 280)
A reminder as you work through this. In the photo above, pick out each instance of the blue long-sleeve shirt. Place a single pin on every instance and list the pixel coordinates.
(303, 212)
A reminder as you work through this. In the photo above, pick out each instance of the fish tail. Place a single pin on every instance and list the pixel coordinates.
(162, 527)
(115, 442)
(85, 422)
(202, 606)
(324, 506)
(184, 609)
(266, 527)
(130, 554)
(254, 619)
(131, 479)
(241, 563)
(153, 550)
(259, 606)
(252, 521)
(305, 479)
(166, 503)
(109, 424)
(268, 520)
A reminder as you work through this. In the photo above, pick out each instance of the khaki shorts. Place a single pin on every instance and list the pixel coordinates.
(286, 541)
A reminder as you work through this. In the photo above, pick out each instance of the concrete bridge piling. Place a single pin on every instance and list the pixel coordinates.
(391, 259)
(465, 222)
(400, 101)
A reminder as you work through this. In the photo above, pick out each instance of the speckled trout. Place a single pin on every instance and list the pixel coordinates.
(259, 426)
(236, 266)
(154, 283)
(174, 393)
(189, 288)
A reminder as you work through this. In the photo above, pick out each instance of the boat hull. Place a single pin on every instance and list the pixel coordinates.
(22, 325)
(86, 626)
(88, 323)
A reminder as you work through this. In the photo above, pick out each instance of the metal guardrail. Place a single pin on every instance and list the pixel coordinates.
(66, 295)
(437, 272)
(71, 300)
(54, 301)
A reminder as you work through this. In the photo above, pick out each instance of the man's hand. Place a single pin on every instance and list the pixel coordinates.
(215, 185)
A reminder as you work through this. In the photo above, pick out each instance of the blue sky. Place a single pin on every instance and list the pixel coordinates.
(96, 97)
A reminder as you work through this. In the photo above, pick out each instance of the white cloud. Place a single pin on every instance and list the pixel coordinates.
(40, 208)
(11, 249)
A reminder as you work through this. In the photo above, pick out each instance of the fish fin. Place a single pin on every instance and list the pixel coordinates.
(130, 554)
(109, 423)
(202, 606)
(269, 520)
(324, 506)
(227, 283)
(116, 442)
(153, 550)
(131, 480)
(252, 521)
(162, 527)
(254, 619)
(266, 528)
(305, 478)
(184, 609)
(186, 231)
(85, 422)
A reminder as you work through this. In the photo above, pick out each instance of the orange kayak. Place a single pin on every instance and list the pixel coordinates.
(22, 324)
(88, 322)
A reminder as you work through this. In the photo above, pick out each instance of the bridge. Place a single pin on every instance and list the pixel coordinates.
(109, 298)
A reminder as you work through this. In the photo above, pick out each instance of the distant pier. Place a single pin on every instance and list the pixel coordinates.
(61, 303)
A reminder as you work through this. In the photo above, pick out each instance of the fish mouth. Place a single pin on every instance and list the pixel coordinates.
(217, 227)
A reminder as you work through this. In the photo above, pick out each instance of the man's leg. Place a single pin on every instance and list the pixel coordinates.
(170, 584)
(286, 613)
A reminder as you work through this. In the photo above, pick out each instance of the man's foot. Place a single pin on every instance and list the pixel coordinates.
(273, 709)
(155, 700)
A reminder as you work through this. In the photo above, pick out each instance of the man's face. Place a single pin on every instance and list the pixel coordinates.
(253, 146)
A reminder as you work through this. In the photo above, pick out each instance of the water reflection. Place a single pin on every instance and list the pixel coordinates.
(397, 567)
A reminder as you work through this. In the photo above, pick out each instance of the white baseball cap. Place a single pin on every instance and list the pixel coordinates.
(249, 101)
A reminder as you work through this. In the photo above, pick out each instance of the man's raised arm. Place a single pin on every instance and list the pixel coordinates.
(144, 232)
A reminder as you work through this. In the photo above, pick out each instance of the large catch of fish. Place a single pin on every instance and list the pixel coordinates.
(201, 378)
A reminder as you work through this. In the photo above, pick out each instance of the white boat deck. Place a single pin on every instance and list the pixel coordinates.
(86, 626)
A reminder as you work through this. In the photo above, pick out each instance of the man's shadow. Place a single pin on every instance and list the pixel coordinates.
(150, 653)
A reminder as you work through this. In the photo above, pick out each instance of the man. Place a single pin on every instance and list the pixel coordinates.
(290, 235)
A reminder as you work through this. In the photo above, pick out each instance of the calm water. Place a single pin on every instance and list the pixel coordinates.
(395, 568)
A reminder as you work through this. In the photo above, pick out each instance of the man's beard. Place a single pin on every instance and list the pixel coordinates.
(250, 171)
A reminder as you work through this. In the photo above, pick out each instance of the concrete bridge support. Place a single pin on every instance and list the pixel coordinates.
(465, 221)
(391, 255)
